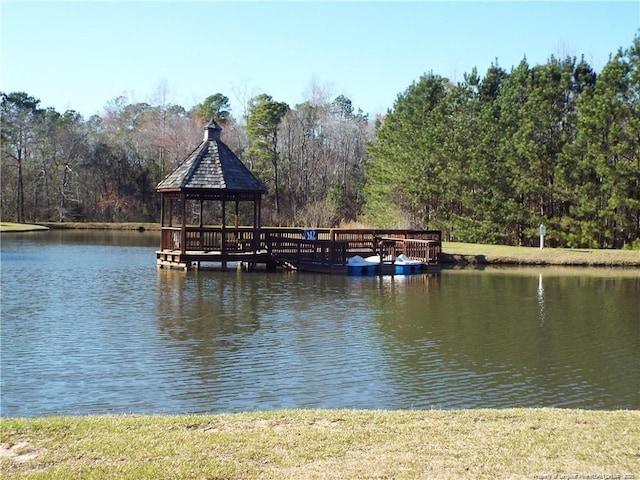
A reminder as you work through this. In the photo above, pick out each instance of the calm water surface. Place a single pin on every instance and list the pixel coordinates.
(90, 326)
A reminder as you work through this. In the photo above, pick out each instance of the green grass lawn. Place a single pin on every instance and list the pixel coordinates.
(503, 254)
(20, 227)
(337, 444)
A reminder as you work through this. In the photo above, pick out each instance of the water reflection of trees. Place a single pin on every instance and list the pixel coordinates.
(562, 333)
(476, 336)
(252, 339)
(111, 238)
(207, 311)
(213, 313)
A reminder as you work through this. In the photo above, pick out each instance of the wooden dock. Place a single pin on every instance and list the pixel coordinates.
(323, 250)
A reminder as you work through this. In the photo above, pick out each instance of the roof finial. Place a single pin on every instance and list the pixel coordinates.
(212, 131)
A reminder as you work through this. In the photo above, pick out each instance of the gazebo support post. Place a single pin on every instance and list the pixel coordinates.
(256, 223)
(161, 211)
(183, 230)
(162, 235)
(237, 213)
(224, 231)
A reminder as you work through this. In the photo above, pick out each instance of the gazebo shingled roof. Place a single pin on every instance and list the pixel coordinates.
(211, 166)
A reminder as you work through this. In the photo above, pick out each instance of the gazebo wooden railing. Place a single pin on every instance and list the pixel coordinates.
(210, 239)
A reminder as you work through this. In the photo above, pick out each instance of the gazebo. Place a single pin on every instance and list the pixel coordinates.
(210, 208)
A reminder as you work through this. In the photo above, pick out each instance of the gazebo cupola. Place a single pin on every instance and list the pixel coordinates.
(196, 196)
(212, 131)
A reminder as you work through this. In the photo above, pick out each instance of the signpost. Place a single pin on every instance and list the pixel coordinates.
(543, 232)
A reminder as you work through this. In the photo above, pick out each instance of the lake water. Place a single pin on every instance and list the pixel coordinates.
(89, 325)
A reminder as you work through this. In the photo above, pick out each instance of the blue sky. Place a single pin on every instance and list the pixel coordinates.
(81, 54)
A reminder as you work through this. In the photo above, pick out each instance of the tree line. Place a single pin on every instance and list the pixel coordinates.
(60, 167)
(492, 158)
(487, 159)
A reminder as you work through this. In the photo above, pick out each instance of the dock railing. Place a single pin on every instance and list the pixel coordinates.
(296, 251)
(425, 251)
(323, 245)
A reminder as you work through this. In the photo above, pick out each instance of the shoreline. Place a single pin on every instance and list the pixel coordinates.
(454, 254)
(469, 261)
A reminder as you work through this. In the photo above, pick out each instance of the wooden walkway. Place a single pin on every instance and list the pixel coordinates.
(315, 250)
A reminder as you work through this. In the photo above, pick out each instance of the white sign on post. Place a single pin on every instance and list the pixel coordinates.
(543, 232)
